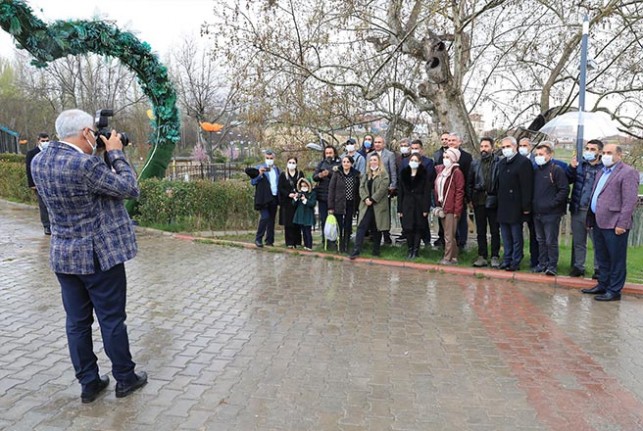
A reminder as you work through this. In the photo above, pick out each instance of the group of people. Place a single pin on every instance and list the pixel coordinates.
(505, 188)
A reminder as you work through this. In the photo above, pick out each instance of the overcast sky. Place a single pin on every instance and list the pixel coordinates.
(161, 23)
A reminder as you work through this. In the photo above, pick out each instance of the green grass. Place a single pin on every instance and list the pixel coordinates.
(466, 259)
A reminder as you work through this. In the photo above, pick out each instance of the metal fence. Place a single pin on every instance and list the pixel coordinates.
(207, 171)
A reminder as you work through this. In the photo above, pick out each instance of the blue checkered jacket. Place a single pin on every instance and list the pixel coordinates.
(84, 198)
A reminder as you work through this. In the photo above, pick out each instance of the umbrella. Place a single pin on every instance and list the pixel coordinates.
(596, 125)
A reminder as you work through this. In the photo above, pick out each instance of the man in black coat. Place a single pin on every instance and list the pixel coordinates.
(549, 203)
(515, 191)
(43, 142)
(265, 179)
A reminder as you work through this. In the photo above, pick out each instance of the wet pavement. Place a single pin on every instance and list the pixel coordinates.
(237, 339)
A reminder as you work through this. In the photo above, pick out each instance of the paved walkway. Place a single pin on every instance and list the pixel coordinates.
(237, 339)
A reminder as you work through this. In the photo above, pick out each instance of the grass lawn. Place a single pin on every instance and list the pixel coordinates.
(432, 255)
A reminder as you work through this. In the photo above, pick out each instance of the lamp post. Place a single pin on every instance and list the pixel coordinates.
(581, 94)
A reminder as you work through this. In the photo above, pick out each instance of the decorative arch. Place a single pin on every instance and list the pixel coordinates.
(49, 42)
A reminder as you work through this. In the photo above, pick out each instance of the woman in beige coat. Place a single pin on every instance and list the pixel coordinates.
(373, 205)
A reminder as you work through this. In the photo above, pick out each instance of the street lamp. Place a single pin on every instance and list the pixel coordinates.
(581, 95)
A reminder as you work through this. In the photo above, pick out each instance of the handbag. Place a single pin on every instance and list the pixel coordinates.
(491, 202)
(331, 230)
(439, 211)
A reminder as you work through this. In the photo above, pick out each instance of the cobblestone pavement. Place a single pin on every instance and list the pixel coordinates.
(237, 339)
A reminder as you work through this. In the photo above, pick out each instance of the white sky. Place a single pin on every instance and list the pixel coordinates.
(161, 23)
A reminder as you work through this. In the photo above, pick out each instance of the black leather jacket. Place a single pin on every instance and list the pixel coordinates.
(476, 191)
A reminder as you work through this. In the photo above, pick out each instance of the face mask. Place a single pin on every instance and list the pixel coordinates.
(367, 144)
(415, 151)
(374, 168)
(93, 146)
(447, 163)
(304, 189)
(540, 160)
(608, 160)
(44, 145)
(589, 156)
(413, 164)
(404, 150)
(292, 166)
(270, 162)
(508, 152)
(350, 148)
(523, 150)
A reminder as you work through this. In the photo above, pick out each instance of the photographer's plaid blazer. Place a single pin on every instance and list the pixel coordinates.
(84, 198)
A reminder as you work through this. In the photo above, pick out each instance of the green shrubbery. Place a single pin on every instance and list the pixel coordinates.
(13, 179)
(197, 205)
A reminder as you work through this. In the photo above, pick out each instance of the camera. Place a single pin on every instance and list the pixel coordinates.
(102, 124)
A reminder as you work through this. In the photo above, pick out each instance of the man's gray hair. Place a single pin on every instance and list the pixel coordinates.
(404, 141)
(510, 139)
(455, 135)
(72, 122)
(527, 140)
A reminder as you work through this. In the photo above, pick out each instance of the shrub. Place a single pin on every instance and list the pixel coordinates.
(197, 205)
(13, 179)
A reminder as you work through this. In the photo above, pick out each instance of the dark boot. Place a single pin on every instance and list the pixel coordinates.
(377, 239)
(411, 253)
(417, 237)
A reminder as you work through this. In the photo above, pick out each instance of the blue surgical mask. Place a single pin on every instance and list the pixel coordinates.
(404, 150)
(508, 152)
(523, 150)
(44, 145)
(608, 160)
(589, 156)
(540, 160)
(367, 144)
(413, 164)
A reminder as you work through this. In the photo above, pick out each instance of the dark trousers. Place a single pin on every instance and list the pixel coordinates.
(487, 217)
(368, 224)
(267, 222)
(44, 215)
(345, 223)
(104, 293)
(533, 242)
(307, 233)
(292, 233)
(323, 213)
(611, 253)
(513, 242)
(547, 227)
(462, 229)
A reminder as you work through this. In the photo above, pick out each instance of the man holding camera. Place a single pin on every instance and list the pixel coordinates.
(92, 237)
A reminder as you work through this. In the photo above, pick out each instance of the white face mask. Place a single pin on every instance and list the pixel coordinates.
(447, 163)
(413, 164)
(540, 160)
(508, 152)
(304, 189)
(270, 162)
(350, 148)
(608, 160)
(43, 145)
(93, 147)
(415, 151)
(404, 150)
(374, 168)
(523, 150)
(292, 166)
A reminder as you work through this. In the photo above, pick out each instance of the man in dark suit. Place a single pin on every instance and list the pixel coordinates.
(43, 142)
(92, 237)
(515, 191)
(266, 189)
(614, 198)
(462, 232)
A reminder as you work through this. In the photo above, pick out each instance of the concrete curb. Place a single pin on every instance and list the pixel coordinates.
(557, 281)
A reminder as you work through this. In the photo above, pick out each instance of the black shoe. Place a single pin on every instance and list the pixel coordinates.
(92, 390)
(537, 269)
(551, 272)
(504, 265)
(47, 231)
(596, 290)
(258, 244)
(438, 243)
(354, 254)
(270, 244)
(387, 240)
(124, 390)
(608, 296)
(575, 272)
(512, 268)
(595, 276)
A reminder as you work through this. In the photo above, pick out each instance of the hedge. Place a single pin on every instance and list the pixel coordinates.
(197, 205)
(171, 205)
(13, 179)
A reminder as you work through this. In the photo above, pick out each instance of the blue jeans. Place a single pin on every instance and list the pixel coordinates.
(104, 293)
(547, 227)
(611, 253)
(513, 242)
